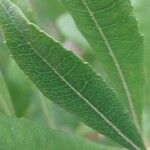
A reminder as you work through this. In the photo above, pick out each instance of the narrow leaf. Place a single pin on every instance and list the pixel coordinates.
(6, 105)
(20, 134)
(65, 79)
(112, 32)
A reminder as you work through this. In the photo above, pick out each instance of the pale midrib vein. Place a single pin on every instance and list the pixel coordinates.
(6, 109)
(82, 97)
(76, 91)
(124, 83)
(90, 104)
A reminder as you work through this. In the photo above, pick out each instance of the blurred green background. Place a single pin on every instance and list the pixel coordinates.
(25, 98)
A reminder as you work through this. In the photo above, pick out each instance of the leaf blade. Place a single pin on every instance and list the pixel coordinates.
(107, 27)
(61, 76)
(35, 137)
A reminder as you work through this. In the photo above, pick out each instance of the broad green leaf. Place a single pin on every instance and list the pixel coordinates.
(21, 134)
(111, 30)
(6, 105)
(66, 79)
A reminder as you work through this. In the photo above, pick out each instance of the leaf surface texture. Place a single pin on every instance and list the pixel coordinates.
(111, 30)
(66, 79)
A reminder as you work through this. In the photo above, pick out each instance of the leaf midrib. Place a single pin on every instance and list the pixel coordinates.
(69, 85)
(116, 63)
(86, 100)
(82, 97)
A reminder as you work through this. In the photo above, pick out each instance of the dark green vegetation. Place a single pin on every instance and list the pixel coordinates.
(110, 103)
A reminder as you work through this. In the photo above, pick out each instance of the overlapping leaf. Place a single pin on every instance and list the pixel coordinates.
(112, 32)
(65, 79)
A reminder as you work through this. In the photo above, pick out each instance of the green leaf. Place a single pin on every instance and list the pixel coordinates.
(21, 134)
(65, 79)
(6, 105)
(112, 32)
